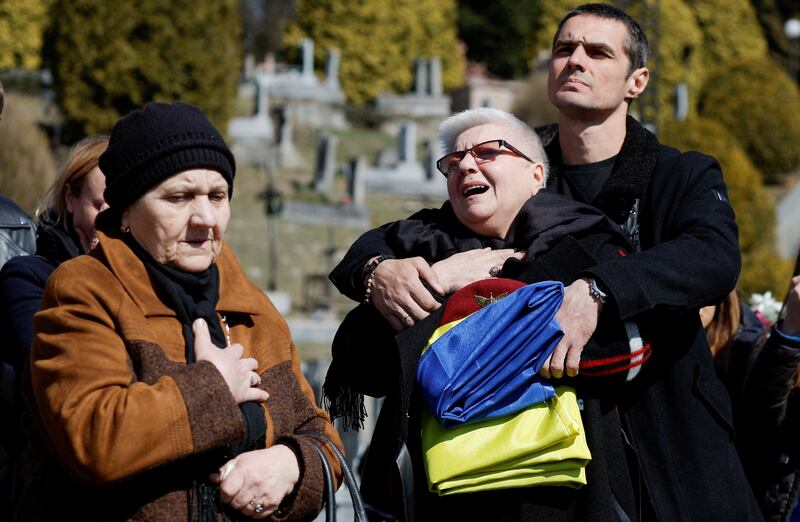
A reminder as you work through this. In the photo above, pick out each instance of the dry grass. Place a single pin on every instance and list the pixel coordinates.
(27, 167)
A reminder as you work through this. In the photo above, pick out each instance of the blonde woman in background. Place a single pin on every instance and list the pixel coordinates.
(65, 230)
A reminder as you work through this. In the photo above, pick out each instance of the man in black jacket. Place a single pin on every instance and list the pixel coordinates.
(676, 415)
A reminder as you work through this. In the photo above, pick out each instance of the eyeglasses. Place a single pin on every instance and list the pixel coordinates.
(482, 152)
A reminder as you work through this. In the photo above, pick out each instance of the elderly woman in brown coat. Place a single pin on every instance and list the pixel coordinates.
(166, 385)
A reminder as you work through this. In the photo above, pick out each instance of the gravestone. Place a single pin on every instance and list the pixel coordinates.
(407, 176)
(435, 77)
(432, 153)
(332, 69)
(299, 93)
(307, 54)
(326, 164)
(426, 101)
(287, 153)
(421, 77)
(407, 143)
(356, 187)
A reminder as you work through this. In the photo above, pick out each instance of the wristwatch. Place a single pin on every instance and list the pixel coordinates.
(595, 292)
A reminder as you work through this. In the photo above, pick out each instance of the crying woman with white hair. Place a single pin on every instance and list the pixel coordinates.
(498, 224)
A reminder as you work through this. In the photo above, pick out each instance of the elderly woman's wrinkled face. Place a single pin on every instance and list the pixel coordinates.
(181, 221)
(84, 206)
(486, 197)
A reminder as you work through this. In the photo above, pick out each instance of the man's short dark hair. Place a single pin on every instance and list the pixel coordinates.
(635, 44)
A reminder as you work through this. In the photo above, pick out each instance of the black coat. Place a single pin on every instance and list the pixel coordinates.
(22, 282)
(769, 436)
(561, 238)
(677, 415)
(679, 420)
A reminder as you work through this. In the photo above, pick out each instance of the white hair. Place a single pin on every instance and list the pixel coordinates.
(458, 123)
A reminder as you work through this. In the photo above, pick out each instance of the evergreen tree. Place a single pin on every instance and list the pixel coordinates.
(112, 57)
(22, 25)
(499, 34)
(379, 40)
(263, 23)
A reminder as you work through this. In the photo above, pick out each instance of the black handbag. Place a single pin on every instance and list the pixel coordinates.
(360, 514)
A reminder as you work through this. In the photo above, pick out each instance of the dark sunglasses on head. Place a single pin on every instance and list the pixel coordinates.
(482, 152)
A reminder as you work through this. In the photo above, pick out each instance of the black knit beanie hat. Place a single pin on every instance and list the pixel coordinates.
(151, 144)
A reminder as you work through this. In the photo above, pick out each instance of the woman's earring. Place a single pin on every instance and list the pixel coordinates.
(124, 229)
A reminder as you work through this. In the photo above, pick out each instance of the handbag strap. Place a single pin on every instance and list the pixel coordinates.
(330, 494)
(405, 470)
(349, 478)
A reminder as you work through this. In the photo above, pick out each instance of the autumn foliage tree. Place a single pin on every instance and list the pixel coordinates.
(759, 104)
(112, 57)
(731, 31)
(550, 13)
(379, 40)
(22, 24)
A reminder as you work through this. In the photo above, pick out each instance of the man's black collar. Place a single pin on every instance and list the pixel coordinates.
(630, 177)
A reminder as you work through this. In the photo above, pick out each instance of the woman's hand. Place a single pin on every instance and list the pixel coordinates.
(398, 293)
(256, 482)
(239, 374)
(791, 323)
(459, 270)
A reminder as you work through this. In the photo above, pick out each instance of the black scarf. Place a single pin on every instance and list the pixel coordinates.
(542, 221)
(194, 295)
(55, 244)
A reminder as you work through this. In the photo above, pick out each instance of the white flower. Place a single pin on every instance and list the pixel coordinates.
(766, 304)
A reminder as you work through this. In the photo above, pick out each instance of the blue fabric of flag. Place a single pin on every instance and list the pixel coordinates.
(487, 365)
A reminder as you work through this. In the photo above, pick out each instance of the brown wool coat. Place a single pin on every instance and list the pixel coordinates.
(120, 423)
